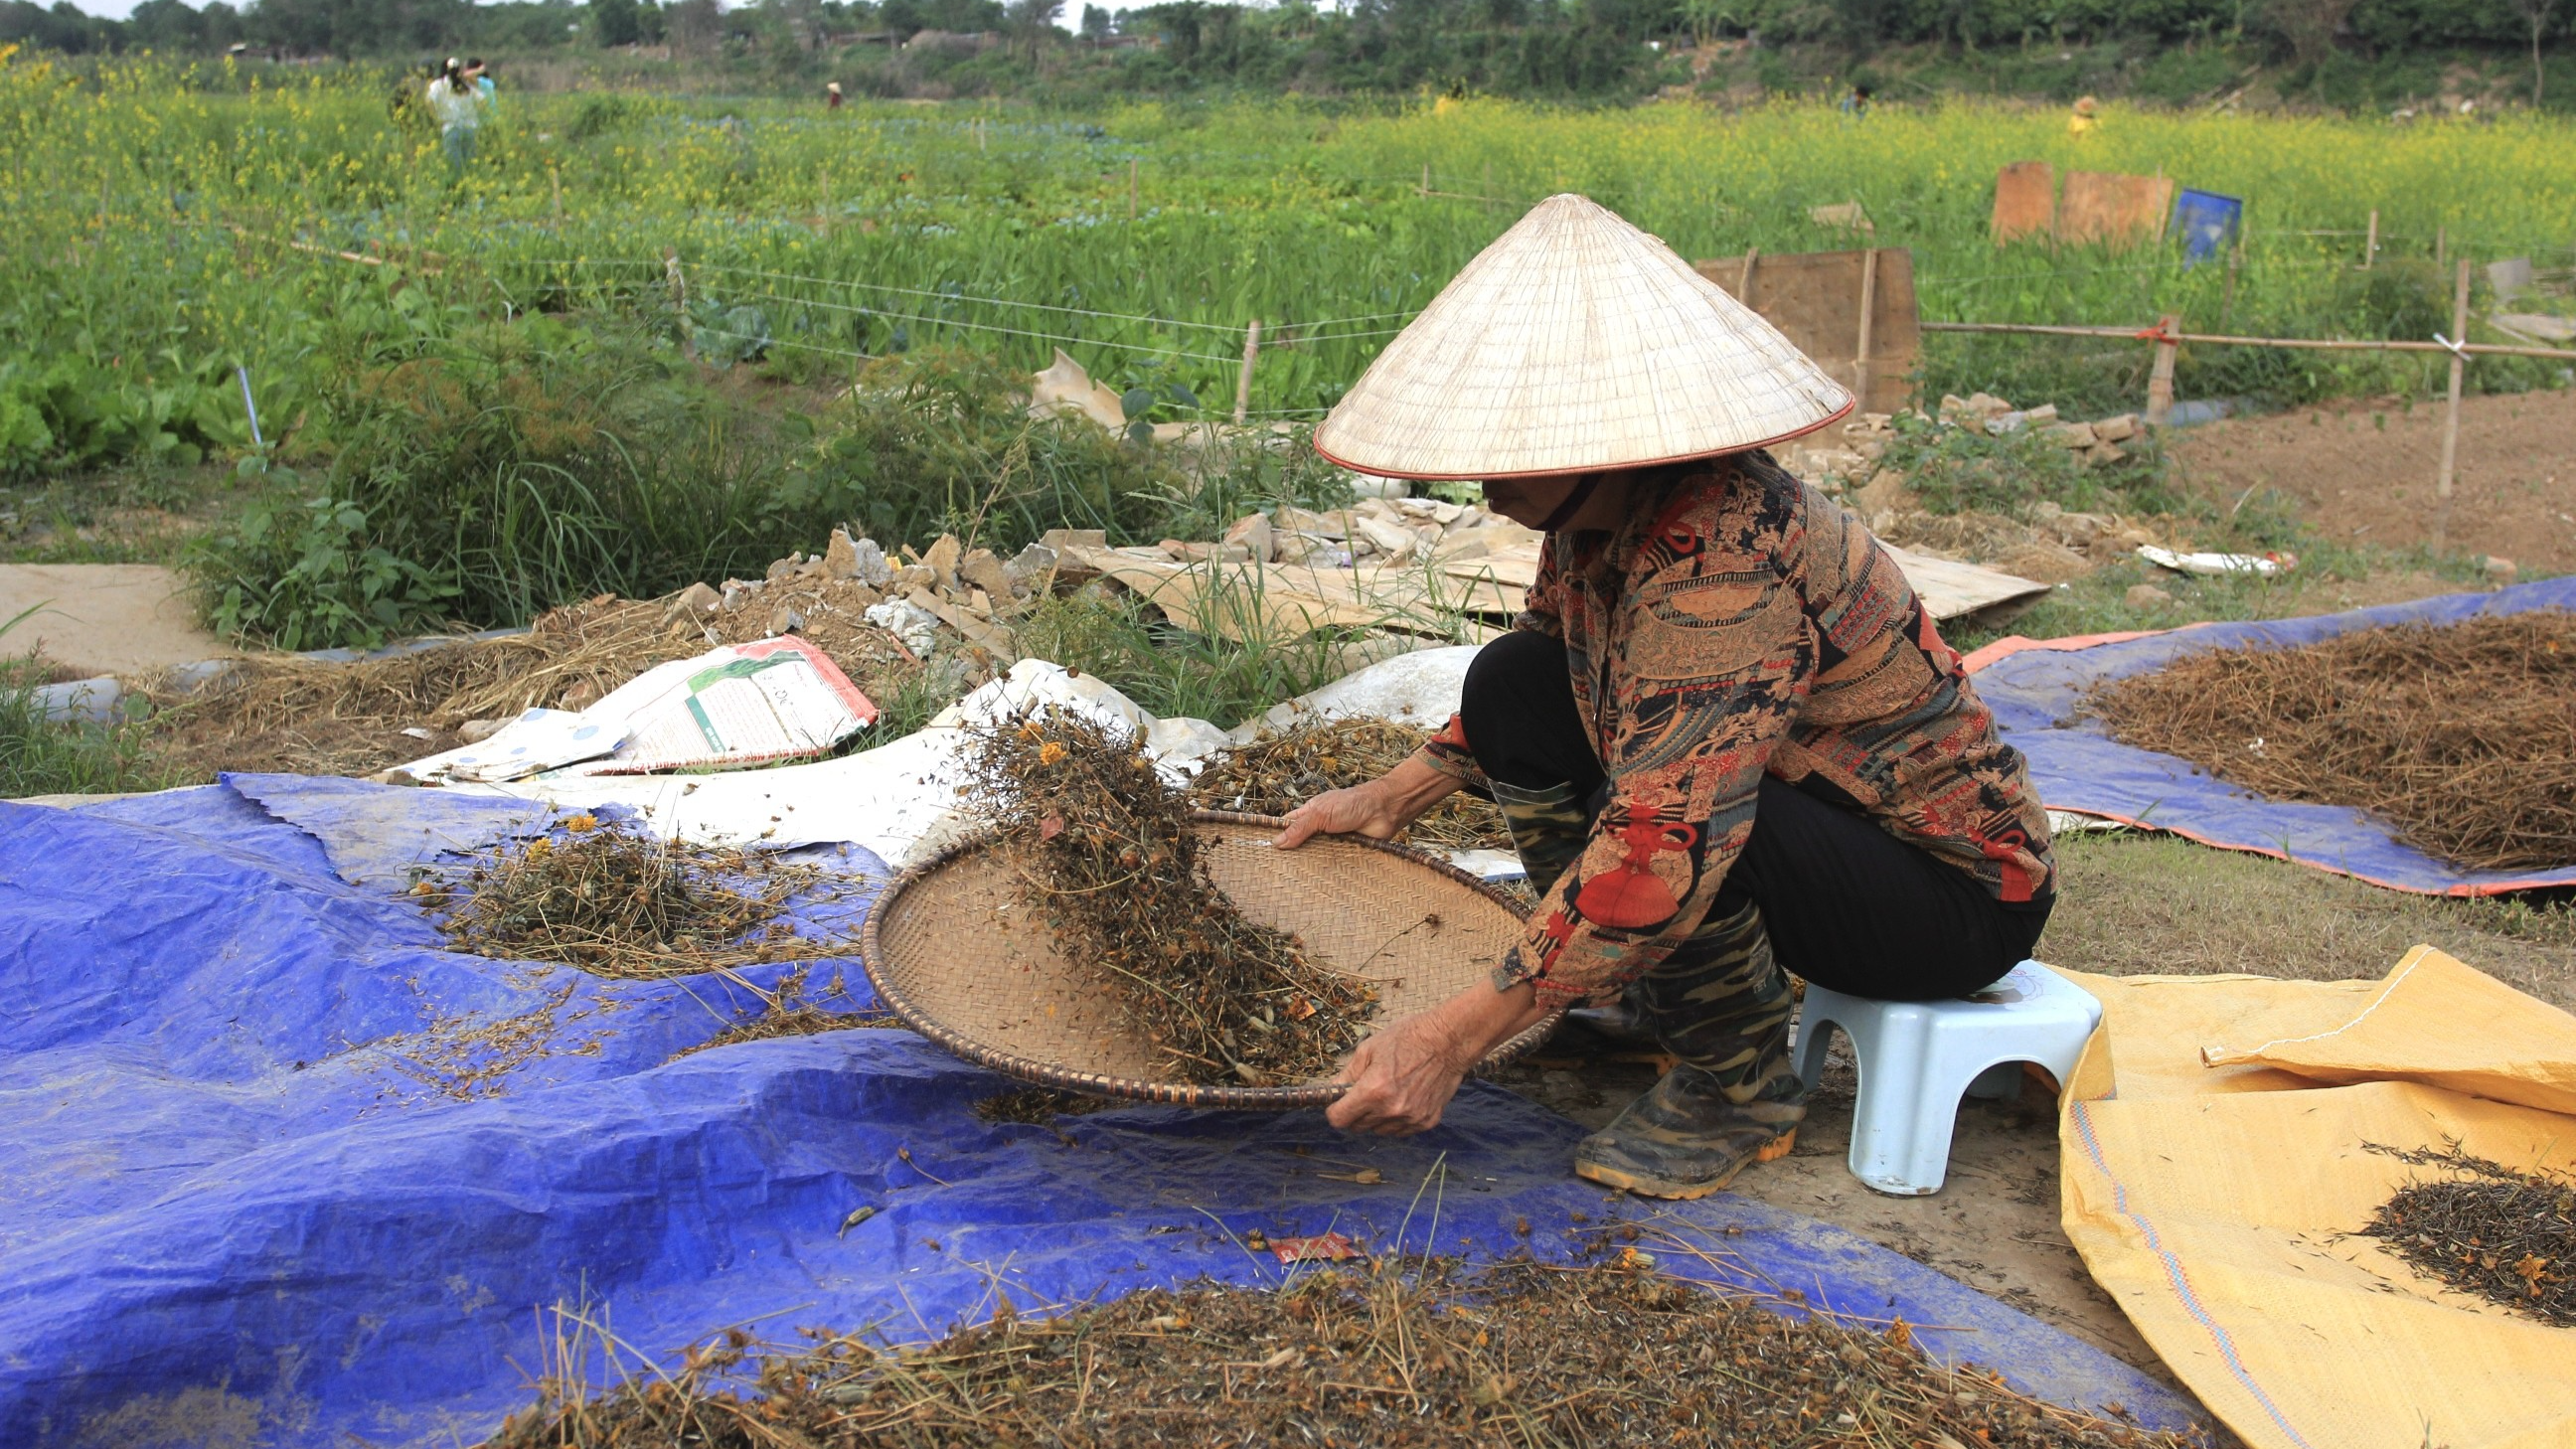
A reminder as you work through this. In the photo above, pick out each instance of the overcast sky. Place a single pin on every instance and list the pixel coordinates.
(119, 9)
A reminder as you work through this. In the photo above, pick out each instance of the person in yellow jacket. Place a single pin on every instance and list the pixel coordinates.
(2086, 118)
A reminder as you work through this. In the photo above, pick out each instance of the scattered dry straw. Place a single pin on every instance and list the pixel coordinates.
(1279, 772)
(2507, 1236)
(2462, 736)
(309, 717)
(616, 902)
(1404, 1352)
(1105, 850)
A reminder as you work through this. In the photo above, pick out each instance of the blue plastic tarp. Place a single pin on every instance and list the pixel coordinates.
(2035, 694)
(277, 1160)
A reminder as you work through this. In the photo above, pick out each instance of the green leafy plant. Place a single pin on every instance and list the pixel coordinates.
(301, 572)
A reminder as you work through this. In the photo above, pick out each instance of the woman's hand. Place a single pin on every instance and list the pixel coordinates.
(1403, 1077)
(1377, 809)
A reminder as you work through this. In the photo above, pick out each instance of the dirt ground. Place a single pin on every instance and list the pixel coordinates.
(2363, 472)
(96, 619)
(2132, 904)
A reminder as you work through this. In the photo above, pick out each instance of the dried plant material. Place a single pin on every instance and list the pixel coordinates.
(1400, 1352)
(306, 716)
(2507, 1236)
(1106, 853)
(617, 902)
(469, 1056)
(1038, 1106)
(1279, 772)
(786, 1012)
(2461, 736)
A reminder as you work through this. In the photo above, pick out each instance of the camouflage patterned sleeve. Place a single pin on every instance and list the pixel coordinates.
(1712, 673)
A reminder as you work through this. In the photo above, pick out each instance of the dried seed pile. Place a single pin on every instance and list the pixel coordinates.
(1279, 772)
(1106, 852)
(2507, 1236)
(616, 902)
(1402, 1353)
(2462, 736)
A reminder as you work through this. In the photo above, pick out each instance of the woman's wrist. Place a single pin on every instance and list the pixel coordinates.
(1405, 793)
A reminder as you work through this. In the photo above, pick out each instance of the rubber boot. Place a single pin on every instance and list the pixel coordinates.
(1550, 826)
(1721, 1005)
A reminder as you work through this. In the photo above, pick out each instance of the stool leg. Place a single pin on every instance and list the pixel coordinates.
(1902, 1123)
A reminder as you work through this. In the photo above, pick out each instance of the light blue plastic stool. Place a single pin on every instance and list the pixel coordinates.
(1918, 1059)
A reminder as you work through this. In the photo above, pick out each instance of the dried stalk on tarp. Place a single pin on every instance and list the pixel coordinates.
(1279, 772)
(1401, 1352)
(2507, 1236)
(2461, 736)
(1104, 849)
(785, 1011)
(616, 902)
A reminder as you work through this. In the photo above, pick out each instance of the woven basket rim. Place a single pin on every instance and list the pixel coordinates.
(1139, 1089)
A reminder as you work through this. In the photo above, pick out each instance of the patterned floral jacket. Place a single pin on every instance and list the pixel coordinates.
(1743, 623)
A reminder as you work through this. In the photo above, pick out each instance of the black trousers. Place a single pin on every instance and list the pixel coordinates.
(1848, 906)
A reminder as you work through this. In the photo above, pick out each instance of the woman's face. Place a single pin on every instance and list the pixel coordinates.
(1529, 502)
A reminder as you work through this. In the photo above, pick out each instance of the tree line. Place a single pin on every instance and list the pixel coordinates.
(1536, 47)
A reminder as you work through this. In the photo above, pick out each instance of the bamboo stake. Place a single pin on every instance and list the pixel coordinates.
(2451, 418)
(2441, 246)
(1243, 379)
(1426, 180)
(1868, 305)
(2370, 247)
(1744, 280)
(2160, 377)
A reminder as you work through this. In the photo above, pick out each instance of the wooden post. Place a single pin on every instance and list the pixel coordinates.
(2235, 263)
(1868, 305)
(1744, 280)
(1426, 180)
(2370, 246)
(1131, 188)
(2160, 377)
(680, 303)
(1243, 379)
(2451, 419)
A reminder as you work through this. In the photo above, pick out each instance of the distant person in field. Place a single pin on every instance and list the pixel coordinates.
(484, 89)
(458, 106)
(1727, 740)
(832, 96)
(2087, 117)
(1856, 104)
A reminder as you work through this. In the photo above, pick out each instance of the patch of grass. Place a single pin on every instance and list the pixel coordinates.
(1169, 670)
(42, 757)
(2139, 903)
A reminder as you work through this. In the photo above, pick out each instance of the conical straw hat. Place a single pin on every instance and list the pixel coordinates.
(1576, 342)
